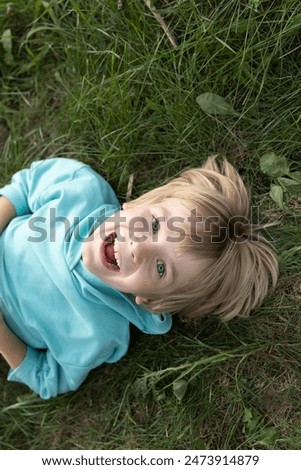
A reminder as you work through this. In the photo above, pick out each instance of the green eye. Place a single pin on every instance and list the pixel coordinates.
(160, 268)
(155, 225)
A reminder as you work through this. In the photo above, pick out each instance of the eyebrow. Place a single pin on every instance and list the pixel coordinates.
(174, 274)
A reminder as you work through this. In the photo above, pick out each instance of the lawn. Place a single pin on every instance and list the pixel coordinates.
(102, 81)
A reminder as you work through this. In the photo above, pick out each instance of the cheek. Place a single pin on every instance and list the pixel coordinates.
(188, 269)
(141, 285)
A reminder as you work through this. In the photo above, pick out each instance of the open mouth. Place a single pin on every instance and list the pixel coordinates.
(108, 255)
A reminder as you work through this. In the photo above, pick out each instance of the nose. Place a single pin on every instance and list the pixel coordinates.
(141, 249)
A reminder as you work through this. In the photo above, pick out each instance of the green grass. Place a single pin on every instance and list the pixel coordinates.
(107, 87)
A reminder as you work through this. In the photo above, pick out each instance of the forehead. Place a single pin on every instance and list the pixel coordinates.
(187, 268)
(176, 218)
(175, 207)
(186, 265)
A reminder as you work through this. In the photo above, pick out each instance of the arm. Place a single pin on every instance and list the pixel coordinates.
(7, 212)
(45, 376)
(11, 347)
(51, 374)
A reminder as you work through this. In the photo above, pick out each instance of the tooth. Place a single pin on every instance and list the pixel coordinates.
(115, 253)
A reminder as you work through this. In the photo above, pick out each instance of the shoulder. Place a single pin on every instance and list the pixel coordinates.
(77, 177)
(61, 168)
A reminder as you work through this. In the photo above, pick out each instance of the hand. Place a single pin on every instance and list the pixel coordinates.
(11, 347)
(7, 212)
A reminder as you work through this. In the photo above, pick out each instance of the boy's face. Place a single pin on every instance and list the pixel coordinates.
(134, 251)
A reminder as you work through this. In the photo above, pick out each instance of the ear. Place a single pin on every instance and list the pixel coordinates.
(139, 300)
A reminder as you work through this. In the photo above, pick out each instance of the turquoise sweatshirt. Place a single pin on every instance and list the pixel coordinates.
(70, 320)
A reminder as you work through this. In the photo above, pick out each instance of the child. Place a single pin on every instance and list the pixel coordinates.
(76, 270)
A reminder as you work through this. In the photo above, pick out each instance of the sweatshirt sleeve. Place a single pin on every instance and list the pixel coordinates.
(51, 179)
(44, 375)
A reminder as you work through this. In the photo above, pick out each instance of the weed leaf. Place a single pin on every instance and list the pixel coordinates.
(7, 44)
(296, 176)
(179, 389)
(268, 436)
(251, 421)
(276, 193)
(293, 187)
(214, 104)
(141, 386)
(159, 395)
(274, 165)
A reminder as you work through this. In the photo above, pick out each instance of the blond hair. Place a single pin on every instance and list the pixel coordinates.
(242, 261)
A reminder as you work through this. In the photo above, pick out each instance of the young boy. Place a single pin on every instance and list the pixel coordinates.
(76, 270)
